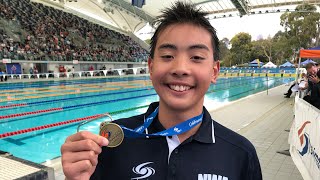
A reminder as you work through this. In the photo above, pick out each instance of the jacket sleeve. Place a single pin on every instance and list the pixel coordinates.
(254, 169)
(100, 169)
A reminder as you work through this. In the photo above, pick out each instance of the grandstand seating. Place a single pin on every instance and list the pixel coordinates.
(32, 31)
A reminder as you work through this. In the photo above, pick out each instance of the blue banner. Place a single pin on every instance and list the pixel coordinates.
(13, 68)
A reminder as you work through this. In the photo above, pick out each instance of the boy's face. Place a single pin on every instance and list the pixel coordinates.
(183, 66)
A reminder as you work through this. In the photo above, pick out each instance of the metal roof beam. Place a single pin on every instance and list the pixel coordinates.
(279, 4)
(274, 5)
(132, 9)
(241, 6)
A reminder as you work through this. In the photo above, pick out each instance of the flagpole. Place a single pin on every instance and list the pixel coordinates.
(297, 71)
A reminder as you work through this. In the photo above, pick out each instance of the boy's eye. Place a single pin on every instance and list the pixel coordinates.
(167, 57)
(197, 58)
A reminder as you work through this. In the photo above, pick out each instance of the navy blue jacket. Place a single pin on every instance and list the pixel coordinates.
(214, 152)
(314, 89)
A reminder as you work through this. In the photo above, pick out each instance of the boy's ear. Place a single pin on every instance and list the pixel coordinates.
(216, 70)
(150, 66)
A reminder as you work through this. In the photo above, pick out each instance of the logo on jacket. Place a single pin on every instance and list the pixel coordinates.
(304, 139)
(211, 177)
(143, 170)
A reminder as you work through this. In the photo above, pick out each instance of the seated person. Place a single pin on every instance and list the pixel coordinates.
(302, 79)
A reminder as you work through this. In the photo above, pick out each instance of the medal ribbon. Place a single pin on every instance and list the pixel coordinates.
(175, 130)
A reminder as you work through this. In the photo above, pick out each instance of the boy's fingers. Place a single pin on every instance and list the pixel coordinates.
(81, 156)
(75, 169)
(82, 145)
(88, 135)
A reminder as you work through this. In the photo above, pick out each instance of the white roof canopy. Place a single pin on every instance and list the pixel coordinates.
(122, 15)
(269, 65)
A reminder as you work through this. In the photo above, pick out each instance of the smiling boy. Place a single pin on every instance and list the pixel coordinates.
(176, 138)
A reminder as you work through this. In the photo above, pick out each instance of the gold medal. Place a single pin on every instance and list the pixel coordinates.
(113, 132)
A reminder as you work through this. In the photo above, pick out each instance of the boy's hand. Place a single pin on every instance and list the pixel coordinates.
(79, 154)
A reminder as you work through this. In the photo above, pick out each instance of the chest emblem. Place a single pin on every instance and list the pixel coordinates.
(143, 171)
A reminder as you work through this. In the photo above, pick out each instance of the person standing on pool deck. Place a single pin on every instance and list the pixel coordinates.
(176, 138)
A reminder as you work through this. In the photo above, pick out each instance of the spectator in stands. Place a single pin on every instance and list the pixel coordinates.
(1, 75)
(35, 70)
(72, 71)
(61, 69)
(313, 96)
(31, 70)
(49, 36)
(182, 141)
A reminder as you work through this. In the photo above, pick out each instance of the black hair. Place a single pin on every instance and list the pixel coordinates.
(310, 65)
(181, 13)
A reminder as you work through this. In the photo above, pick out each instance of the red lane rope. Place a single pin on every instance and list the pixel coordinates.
(28, 113)
(13, 133)
(13, 105)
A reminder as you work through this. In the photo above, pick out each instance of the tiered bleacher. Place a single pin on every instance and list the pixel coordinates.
(32, 31)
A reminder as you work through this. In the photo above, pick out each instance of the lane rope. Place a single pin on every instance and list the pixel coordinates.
(100, 102)
(37, 128)
(13, 133)
(71, 98)
(88, 96)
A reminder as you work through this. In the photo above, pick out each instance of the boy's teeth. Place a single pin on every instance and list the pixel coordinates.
(179, 88)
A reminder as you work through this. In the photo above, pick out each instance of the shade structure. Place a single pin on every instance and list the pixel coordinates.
(310, 53)
(269, 65)
(255, 63)
(286, 64)
(307, 61)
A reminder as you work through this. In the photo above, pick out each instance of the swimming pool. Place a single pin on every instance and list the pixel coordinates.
(36, 117)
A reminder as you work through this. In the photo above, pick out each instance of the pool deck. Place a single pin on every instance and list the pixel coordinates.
(264, 119)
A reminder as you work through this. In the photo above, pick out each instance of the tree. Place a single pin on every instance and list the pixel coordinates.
(266, 47)
(240, 51)
(302, 26)
(257, 51)
(224, 51)
(282, 47)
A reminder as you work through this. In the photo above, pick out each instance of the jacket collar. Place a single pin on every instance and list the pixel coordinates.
(205, 133)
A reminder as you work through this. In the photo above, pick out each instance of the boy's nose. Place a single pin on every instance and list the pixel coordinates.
(181, 66)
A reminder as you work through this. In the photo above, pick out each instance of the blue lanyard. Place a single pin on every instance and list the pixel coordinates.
(175, 130)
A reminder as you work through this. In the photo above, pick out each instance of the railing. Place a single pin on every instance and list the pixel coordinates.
(80, 74)
(304, 139)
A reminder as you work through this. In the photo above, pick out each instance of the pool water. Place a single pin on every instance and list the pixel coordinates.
(54, 107)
